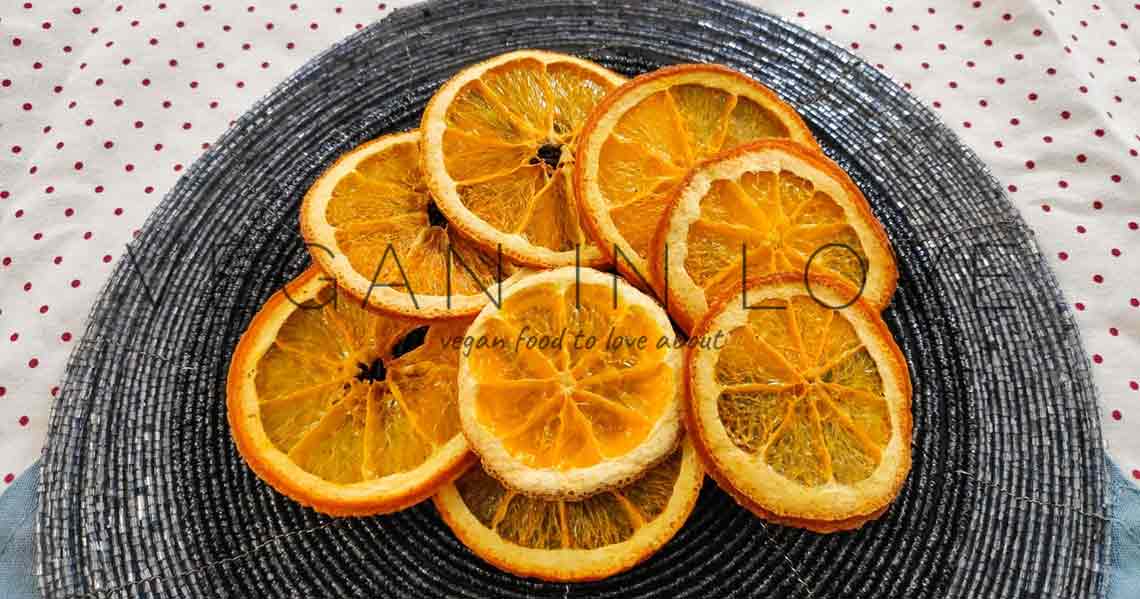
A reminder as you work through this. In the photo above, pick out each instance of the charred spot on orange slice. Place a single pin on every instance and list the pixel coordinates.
(549, 154)
(435, 217)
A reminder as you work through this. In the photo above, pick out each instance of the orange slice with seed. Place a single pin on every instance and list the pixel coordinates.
(342, 409)
(569, 389)
(370, 222)
(803, 411)
(498, 152)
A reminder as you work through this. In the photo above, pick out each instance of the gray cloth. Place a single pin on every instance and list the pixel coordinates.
(1124, 561)
(17, 535)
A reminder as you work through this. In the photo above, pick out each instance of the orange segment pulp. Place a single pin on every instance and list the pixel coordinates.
(572, 392)
(803, 414)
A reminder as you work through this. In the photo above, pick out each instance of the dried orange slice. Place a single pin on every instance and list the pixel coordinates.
(801, 411)
(572, 541)
(370, 223)
(767, 207)
(498, 152)
(328, 403)
(641, 141)
(568, 389)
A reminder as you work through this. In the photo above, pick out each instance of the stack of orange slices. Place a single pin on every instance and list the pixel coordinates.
(458, 338)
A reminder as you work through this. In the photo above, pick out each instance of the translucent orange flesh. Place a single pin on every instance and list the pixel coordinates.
(657, 141)
(387, 225)
(601, 520)
(552, 390)
(509, 145)
(335, 398)
(770, 222)
(801, 392)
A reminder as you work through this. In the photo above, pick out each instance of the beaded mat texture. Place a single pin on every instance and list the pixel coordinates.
(144, 493)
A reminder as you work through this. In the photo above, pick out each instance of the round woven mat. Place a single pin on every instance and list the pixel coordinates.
(144, 493)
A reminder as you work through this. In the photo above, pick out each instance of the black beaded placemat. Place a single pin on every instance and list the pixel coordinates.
(144, 494)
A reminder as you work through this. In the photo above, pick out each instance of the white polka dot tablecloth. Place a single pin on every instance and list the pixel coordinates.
(103, 105)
